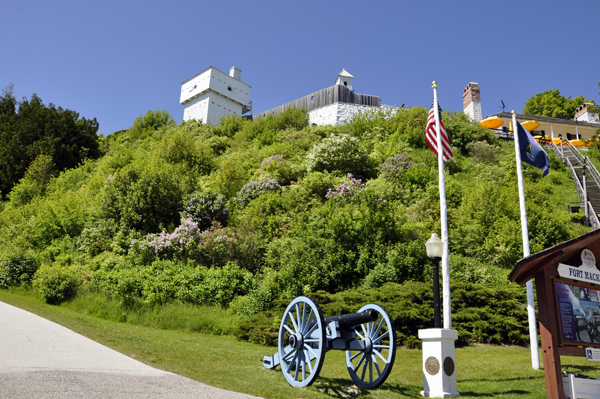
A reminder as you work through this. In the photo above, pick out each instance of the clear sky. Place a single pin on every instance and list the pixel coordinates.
(114, 60)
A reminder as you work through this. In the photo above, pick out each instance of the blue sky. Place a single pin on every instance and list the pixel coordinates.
(114, 60)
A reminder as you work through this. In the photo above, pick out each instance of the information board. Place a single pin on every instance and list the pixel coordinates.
(579, 313)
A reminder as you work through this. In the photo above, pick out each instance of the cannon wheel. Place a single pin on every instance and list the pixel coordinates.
(301, 342)
(370, 367)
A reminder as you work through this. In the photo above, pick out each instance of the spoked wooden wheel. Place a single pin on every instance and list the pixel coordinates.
(370, 367)
(301, 342)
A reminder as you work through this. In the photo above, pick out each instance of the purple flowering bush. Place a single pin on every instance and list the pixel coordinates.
(394, 167)
(164, 245)
(353, 191)
(253, 190)
(350, 188)
(205, 208)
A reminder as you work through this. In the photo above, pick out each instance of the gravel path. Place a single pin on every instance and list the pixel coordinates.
(41, 359)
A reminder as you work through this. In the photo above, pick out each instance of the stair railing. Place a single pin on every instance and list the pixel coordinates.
(575, 151)
(593, 217)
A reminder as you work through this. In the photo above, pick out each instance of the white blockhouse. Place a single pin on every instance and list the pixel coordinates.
(212, 94)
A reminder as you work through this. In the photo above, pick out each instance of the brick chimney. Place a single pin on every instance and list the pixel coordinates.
(587, 113)
(472, 102)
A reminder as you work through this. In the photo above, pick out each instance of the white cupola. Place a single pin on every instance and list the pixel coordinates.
(344, 79)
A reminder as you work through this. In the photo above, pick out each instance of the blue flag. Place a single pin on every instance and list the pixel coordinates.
(531, 151)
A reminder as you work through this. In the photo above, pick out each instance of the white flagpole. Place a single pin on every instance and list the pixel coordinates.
(535, 356)
(443, 216)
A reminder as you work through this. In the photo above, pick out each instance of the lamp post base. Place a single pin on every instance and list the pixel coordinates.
(439, 366)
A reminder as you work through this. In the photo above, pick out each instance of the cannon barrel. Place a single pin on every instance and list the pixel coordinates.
(354, 319)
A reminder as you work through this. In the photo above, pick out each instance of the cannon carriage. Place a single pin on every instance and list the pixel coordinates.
(367, 337)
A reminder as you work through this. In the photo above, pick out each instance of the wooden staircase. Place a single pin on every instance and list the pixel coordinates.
(577, 164)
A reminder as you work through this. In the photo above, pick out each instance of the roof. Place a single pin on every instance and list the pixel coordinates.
(345, 73)
(546, 119)
(526, 268)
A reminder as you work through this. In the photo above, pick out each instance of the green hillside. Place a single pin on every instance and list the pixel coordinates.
(246, 215)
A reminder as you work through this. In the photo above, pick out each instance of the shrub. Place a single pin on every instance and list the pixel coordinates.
(319, 183)
(339, 153)
(394, 167)
(205, 208)
(483, 152)
(169, 245)
(17, 269)
(350, 188)
(180, 146)
(57, 283)
(279, 169)
(253, 190)
(150, 122)
(142, 199)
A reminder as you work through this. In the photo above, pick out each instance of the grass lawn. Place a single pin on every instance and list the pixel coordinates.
(224, 361)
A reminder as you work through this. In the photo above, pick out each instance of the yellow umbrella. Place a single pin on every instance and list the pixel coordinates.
(577, 143)
(556, 140)
(493, 122)
(530, 125)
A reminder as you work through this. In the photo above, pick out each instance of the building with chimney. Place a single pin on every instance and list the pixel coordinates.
(472, 102)
(212, 94)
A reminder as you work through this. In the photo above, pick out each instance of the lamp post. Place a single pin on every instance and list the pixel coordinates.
(435, 250)
(439, 367)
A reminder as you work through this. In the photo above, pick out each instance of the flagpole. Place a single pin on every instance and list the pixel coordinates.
(535, 356)
(443, 215)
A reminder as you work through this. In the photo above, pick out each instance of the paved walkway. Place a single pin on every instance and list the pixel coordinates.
(41, 359)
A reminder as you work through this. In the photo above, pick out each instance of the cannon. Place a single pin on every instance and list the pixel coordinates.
(305, 336)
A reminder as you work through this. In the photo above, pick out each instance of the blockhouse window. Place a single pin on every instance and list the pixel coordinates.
(345, 83)
(229, 88)
(312, 98)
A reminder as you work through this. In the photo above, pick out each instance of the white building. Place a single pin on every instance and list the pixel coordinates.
(212, 94)
(334, 105)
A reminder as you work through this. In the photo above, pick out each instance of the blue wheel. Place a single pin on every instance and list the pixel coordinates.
(301, 345)
(371, 366)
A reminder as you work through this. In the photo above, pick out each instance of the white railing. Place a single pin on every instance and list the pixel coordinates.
(592, 216)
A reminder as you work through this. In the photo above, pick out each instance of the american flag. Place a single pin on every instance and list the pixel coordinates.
(431, 135)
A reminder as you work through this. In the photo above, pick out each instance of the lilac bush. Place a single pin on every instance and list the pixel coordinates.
(393, 168)
(350, 188)
(169, 245)
(274, 161)
(253, 190)
(205, 208)
(353, 191)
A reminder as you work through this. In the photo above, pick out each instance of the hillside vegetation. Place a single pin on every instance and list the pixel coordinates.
(247, 215)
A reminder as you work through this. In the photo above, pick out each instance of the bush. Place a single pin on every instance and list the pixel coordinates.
(278, 168)
(176, 245)
(57, 283)
(180, 147)
(17, 269)
(394, 167)
(483, 152)
(205, 208)
(339, 153)
(150, 122)
(142, 199)
(253, 190)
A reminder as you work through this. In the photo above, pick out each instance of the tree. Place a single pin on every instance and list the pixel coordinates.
(552, 104)
(30, 128)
